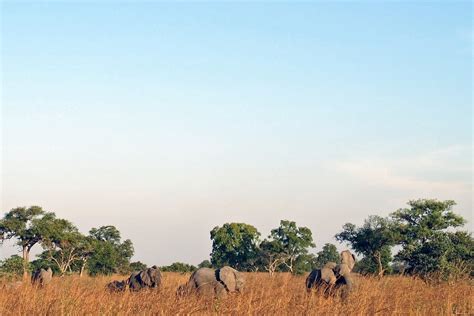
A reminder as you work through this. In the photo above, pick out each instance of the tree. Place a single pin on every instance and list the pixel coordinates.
(374, 240)
(289, 242)
(370, 264)
(63, 246)
(235, 245)
(29, 226)
(427, 243)
(109, 254)
(424, 219)
(327, 254)
(205, 264)
(137, 266)
(12, 265)
(293, 241)
(179, 267)
(271, 255)
(304, 263)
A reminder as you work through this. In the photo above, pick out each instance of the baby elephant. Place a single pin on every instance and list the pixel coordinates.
(42, 277)
(117, 286)
(333, 276)
(219, 283)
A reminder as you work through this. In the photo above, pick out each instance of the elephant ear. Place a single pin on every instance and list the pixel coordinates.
(228, 276)
(348, 258)
(145, 277)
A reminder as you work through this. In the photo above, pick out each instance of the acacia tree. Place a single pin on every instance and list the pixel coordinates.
(235, 244)
(373, 239)
(29, 226)
(293, 241)
(427, 243)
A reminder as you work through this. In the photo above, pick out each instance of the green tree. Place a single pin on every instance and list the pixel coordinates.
(327, 254)
(373, 239)
(304, 263)
(423, 219)
(12, 265)
(137, 266)
(205, 264)
(179, 267)
(293, 241)
(235, 245)
(29, 226)
(427, 243)
(271, 255)
(63, 246)
(109, 254)
(369, 264)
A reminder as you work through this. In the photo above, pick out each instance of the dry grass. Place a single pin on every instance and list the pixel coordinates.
(282, 294)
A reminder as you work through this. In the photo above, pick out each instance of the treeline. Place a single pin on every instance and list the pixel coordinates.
(65, 249)
(424, 234)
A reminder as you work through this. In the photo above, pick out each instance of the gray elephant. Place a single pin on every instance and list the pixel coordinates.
(42, 277)
(117, 286)
(148, 278)
(219, 283)
(333, 276)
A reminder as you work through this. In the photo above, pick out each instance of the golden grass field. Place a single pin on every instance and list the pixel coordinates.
(263, 295)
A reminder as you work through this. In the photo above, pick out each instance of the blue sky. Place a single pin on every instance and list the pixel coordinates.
(167, 119)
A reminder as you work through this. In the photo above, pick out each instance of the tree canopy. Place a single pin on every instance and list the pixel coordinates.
(235, 245)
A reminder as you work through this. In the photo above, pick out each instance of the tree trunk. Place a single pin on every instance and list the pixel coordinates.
(26, 261)
(378, 256)
(81, 273)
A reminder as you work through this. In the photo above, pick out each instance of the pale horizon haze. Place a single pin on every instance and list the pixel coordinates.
(168, 119)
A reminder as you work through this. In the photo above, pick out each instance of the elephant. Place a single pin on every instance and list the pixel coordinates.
(117, 286)
(148, 278)
(42, 277)
(333, 276)
(220, 282)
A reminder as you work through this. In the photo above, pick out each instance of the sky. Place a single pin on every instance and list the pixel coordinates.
(168, 119)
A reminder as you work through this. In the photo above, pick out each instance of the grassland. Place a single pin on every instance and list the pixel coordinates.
(282, 294)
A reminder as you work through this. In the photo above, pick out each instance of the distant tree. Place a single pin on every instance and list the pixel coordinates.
(293, 241)
(205, 264)
(304, 263)
(327, 254)
(235, 245)
(374, 240)
(271, 255)
(137, 266)
(29, 226)
(63, 247)
(427, 243)
(178, 267)
(109, 254)
(369, 265)
(12, 265)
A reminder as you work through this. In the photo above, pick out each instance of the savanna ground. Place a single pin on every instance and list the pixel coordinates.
(264, 295)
